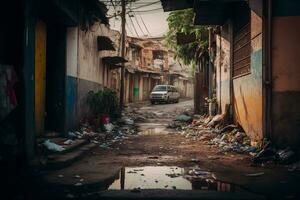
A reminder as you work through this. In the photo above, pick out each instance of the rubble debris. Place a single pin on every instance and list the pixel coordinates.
(215, 120)
(53, 147)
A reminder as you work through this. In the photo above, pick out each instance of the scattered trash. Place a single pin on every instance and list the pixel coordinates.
(128, 121)
(53, 147)
(104, 146)
(76, 176)
(255, 174)
(285, 156)
(184, 118)
(78, 184)
(68, 142)
(109, 127)
(60, 176)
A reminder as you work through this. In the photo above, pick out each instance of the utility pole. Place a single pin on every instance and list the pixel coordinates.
(123, 39)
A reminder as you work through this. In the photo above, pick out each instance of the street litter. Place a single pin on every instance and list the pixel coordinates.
(255, 174)
(78, 184)
(53, 147)
(104, 146)
(184, 118)
(109, 127)
(68, 142)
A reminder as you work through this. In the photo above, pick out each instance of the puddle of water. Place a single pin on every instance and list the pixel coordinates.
(153, 131)
(166, 177)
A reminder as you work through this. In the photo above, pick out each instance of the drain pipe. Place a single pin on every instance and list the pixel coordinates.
(268, 72)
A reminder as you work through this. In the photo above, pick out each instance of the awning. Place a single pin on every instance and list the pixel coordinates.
(156, 77)
(170, 5)
(214, 12)
(130, 70)
(113, 60)
(148, 71)
(105, 43)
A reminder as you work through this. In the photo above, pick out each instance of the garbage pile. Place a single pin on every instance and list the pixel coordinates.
(214, 132)
(107, 135)
(231, 138)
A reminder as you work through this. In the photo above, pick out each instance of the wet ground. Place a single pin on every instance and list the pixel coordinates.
(160, 162)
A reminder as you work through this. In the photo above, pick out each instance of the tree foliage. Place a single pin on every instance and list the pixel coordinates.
(182, 21)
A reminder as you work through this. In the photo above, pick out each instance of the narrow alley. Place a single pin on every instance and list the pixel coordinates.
(152, 99)
(158, 158)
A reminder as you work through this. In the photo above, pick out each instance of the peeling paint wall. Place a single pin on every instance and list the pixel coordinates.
(248, 89)
(285, 71)
(222, 63)
(85, 70)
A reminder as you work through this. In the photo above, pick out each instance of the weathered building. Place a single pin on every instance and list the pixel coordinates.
(33, 43)
(90, 67)
(254, 54)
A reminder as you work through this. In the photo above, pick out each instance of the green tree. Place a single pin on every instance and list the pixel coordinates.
(182, 21)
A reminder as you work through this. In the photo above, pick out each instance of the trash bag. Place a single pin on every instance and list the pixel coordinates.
(264, 155)
(286, 156)
(53, 147)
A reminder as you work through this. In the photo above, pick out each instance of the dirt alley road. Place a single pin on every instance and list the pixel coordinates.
(158, 146)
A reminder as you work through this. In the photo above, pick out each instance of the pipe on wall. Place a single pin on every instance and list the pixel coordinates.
(267, 70)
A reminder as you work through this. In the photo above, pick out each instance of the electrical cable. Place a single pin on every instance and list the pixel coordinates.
(144, 25)
(134, 27)
(139, 25)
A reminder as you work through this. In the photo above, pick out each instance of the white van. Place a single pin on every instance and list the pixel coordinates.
(164, 93)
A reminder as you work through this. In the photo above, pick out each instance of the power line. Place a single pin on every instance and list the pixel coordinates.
(140, 11)
(139, 25)
(144, 25)
(128, 27)
(134, 27)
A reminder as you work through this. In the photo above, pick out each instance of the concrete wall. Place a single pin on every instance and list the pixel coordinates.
(85, 70)
(248, 89)
(286, 70)
(222, 63)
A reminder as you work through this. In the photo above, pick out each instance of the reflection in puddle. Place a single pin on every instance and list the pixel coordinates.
(153, 131)
(165, 177)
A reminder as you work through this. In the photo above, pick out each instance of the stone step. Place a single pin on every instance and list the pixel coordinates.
(59, 161)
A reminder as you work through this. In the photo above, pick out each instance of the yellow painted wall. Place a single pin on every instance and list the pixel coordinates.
(40, 75)
(248, 89)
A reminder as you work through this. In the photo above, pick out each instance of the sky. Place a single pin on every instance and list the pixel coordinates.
(147, 18)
